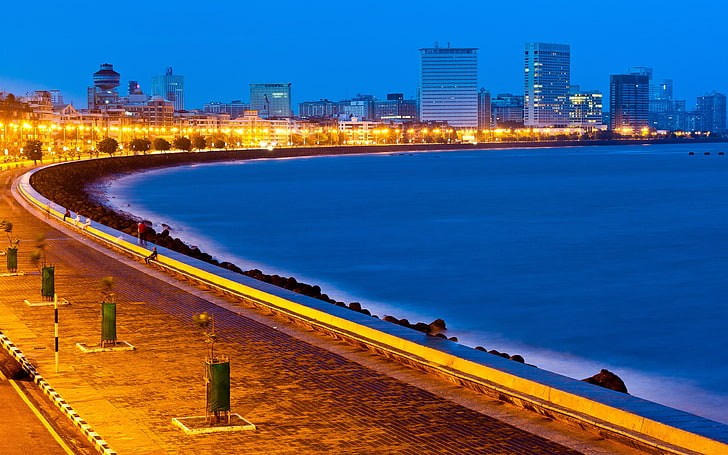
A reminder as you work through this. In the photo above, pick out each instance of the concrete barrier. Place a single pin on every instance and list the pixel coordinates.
(636, 422)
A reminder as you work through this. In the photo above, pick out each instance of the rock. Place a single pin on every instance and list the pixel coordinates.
(438, 325)
(518, 358)
(356, 306)
(421, 327)
(609, 380)
(481, 348)
(391, 319)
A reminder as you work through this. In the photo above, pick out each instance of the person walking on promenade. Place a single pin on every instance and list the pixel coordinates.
(142, 232)
(152, 256)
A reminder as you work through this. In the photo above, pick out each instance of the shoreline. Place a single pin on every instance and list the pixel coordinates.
(92, 204)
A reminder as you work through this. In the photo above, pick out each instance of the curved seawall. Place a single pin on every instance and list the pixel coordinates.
(638, 422)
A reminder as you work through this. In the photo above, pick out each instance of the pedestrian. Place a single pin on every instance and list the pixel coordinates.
(142, 232)
(66, 215)
(78, 219)
(152, 256)
(87, 223)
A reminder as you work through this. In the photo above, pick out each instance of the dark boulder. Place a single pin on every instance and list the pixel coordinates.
(609, 380)
(518, 358)
(356, 306)
(438, 325)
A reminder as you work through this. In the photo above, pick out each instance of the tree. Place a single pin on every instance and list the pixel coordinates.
(140, 145)
(199, 142)
(182, 143)
(161, 144)
(108, 145)
(33, 150)
(218, 144)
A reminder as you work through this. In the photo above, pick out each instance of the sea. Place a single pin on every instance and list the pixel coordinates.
(576, 258)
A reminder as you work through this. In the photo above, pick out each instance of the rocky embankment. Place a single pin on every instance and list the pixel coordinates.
(68, 186)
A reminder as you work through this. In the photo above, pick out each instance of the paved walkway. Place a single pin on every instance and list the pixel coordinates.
(306, 394)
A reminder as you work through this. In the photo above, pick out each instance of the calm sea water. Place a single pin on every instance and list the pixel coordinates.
(576, 258)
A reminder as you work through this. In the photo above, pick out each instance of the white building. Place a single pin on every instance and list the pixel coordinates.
(448, 90)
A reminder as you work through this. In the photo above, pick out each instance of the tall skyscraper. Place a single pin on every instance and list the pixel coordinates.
(171, 87)
(448, 89)
(546, 88)
(629, 99)
(712, 109)
(271, 100)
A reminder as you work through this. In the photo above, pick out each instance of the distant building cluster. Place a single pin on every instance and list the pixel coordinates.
(449, 105)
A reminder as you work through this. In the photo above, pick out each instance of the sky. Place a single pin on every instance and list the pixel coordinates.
(336, 50)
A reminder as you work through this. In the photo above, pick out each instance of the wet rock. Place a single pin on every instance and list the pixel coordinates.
(609, 380)
(391, 319)
(481, 348)
(518, 358)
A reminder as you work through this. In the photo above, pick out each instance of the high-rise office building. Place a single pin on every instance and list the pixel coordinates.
(271, 100)
(712, 109)
(546, 88)
(448, 90)
(629, 99)
(171, 87)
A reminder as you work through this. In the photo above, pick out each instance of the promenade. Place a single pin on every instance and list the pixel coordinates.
(305, 393)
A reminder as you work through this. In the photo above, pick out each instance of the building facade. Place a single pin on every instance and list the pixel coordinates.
(448, 90)
(171, 87)
(484, 109)
(546, 88)
(629, 99)
(585, 108)
(271, 100)
(712, 110)
(395, 109)
(104, 94)
(234, 109)
(507, 110)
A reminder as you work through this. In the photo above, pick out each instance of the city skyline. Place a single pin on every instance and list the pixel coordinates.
(221, 51)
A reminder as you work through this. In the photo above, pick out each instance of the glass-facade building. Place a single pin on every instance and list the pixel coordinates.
(629, 101)
(171, 87)
(271, 100)
(546, 89)
(448, 90)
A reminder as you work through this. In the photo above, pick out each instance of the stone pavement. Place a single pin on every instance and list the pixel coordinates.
(305, 394)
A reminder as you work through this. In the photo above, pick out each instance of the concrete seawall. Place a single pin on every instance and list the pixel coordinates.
(637, 422)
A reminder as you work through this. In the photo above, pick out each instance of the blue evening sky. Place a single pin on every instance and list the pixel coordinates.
(334, 49)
